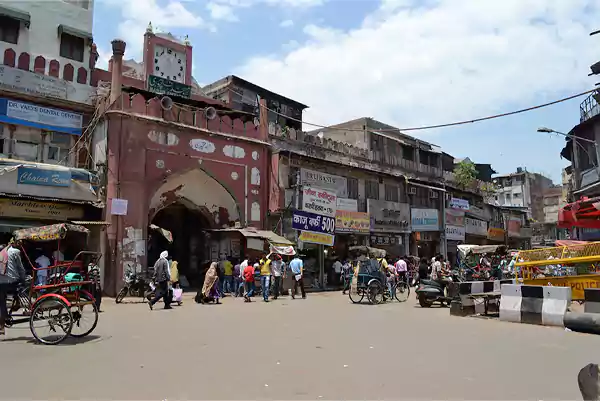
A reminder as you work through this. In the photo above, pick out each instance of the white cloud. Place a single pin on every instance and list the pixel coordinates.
(286, 23)
(440, 61)
(275, 3)
(221, 12)
(104, 56)
(137, 14)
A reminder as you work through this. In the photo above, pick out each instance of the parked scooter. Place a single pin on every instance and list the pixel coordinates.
(430, 292)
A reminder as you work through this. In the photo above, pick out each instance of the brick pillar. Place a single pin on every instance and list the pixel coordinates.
(118, 47)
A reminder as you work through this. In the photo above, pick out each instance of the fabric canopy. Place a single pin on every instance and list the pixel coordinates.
(584, 213)
(568, 242)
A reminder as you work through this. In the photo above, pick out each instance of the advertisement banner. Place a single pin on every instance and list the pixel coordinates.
(350, 205)
(352, 222)
(425, 219)
(32, 115)
(334, 183)
(496, 234)
(319, 201)
(316, 238)
(38, 176)
(378, 240)
(455, 233)
(455, 217)
(389, 216)
(476, 227)
(461, 204)
(305, 221)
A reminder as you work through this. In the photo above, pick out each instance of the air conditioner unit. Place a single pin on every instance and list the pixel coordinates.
(412, 190)
(433, 194)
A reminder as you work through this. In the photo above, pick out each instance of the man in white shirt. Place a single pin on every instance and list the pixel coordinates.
(58, 256)
(337, 269)
(41, 276)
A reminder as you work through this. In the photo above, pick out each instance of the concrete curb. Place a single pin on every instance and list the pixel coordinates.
(583, 322)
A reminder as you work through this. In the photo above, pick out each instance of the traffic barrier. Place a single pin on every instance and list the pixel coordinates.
(592, 300)
(534, 304)
(583, 322)
(464, 305)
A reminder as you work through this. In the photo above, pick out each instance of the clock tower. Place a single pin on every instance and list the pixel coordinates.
(167, 63)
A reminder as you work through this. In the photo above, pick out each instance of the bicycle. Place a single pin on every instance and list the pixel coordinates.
(376, 294)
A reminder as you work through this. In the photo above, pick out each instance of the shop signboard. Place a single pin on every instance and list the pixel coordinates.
(476, 227)
(385, 240)
(495, 234)
(333, 183)
(319, 201)
(455, 233)
(352, 222)
(38, 176)
(316, 238)
(460, 204)
(455, 217)
(33, 115)
(39, 210)
(389, 216)
(305, 221)
(514, 227)
(425, 219)
(30, 83)
(350, 205)
(478, 212)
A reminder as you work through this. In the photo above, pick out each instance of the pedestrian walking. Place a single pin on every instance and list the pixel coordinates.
(228, 277)
(236, 278)
(337, 269)
(278, 274)
(161, 278)
(347, 275)
(265, 277)
(248, 274)
(210, 288)
(297, 268)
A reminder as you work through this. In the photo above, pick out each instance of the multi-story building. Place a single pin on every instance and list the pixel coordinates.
(523, 190)
(176, 161)
(546, 232)
(46, 113)
(239, 94)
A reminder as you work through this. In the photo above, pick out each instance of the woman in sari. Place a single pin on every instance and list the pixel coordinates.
(210, 289)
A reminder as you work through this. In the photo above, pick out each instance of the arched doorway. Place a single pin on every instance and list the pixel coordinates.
(187, 205)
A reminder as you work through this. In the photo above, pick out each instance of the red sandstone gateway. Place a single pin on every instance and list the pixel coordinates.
(65, 304)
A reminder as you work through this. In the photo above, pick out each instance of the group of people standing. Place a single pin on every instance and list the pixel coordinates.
(238, 278)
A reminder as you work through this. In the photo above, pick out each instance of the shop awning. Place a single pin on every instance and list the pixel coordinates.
(568, 242)
(165, 233)
(74, 32)
(92, 223)
(584, 213)
(270, 236)
(22, 16)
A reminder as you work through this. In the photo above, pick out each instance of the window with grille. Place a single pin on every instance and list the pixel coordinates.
(26, 143)
(391, 193)
(372, 189)
(352, 188)
(57, 147)
(4, 140)
(9, 29)
(72, 47)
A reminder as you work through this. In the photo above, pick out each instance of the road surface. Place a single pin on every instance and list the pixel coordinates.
(319, 348)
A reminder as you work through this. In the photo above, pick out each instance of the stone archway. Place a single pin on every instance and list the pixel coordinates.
(199, 191)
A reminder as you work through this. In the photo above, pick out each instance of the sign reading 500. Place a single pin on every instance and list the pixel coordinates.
(306, 221)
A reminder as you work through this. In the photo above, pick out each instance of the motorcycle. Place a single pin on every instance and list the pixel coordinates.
(135, 286)
(430, 292)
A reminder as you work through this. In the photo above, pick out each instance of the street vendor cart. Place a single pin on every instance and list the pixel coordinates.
(63, 303)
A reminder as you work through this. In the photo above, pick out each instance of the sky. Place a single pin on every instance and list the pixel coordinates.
(406, 63)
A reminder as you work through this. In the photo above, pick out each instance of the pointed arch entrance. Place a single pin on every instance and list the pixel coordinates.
(187, 204)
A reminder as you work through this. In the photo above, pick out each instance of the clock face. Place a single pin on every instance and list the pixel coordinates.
(169, 64)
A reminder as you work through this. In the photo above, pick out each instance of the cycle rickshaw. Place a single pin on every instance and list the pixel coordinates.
(65, 304)
(368, 279)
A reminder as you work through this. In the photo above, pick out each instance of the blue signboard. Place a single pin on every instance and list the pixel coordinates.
(38, 176)
(315, 223)
(36, 116)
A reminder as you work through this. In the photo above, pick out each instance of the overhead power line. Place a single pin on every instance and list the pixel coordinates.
(453, 124)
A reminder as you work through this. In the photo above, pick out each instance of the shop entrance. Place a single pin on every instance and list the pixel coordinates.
(188, 204)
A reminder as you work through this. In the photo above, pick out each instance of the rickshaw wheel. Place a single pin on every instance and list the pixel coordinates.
(56, 322)
(375, 293)
(79, 315)
(358, 297)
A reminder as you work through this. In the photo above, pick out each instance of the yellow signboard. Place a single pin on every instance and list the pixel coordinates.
(316, 238)
(28, 209)
(352, 222)
(496, 234)
(577, 283)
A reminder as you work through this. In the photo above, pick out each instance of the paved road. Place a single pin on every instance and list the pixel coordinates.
(319, 348)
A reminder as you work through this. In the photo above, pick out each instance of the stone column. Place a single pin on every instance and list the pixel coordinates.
(118, 47)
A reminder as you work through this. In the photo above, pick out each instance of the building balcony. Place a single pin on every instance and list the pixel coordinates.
(589, 107)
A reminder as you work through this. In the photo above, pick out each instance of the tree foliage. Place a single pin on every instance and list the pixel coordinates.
(465, 174)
